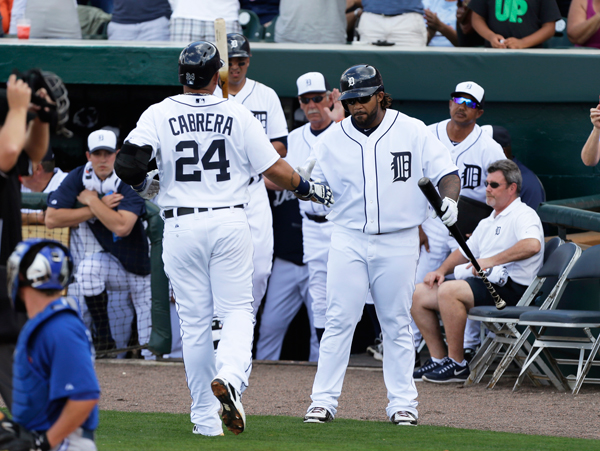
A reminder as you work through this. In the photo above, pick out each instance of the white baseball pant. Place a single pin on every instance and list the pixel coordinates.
(315, 240)
(260, 220)
(102, 271)
(208, 259)
(287, 291)
(387, 264)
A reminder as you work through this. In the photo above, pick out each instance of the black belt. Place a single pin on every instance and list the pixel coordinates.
(88, 433)
(182, 211)
(316, 218)
(257, 179)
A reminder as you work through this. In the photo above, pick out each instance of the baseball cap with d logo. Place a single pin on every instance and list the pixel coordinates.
(102, 139)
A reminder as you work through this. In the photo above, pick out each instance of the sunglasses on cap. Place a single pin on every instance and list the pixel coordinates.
(494, 185)
(468, 102)
(316, 99)
(361, 100)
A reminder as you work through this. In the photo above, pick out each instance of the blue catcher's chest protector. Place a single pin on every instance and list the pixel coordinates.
(31, 388)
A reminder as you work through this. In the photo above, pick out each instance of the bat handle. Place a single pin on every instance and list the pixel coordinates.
(500, 303)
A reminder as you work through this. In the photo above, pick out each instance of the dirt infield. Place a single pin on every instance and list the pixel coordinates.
(284, 389)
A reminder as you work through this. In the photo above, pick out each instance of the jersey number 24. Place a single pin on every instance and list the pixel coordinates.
(222, 163)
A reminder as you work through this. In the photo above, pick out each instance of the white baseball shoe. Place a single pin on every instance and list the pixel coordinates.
(233, 412)
(318, 415)
(403, 418)
(197, 431)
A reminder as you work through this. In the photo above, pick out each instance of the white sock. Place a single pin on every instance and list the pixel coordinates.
(434, 360)
(463, 363)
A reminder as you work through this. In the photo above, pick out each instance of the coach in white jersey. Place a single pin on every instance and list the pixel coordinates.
(264, 104)
(206, 149)
(472, 151)
(316, 101)
(372, 162)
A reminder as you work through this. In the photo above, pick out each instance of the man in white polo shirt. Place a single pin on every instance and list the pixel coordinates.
(509, 244)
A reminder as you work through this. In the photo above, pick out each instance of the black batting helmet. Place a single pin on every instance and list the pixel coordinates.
(198, 62)
(360, 81)
(238, 46)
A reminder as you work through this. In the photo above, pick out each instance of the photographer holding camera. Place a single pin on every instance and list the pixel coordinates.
(23, 140)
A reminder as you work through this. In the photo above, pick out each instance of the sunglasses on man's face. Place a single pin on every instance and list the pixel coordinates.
(494, 185)
(468, 102)
(316, 99)
(361, 100)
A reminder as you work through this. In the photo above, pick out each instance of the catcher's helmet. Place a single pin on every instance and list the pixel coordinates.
(360, 81)
(198, 62)
(39, 263)
(238, 46)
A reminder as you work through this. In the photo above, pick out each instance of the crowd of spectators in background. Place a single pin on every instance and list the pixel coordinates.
(403, 23)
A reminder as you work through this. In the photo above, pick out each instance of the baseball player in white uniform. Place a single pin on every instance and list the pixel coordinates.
(372, 162)
(264, 104)
(206, 149)
(472, 151)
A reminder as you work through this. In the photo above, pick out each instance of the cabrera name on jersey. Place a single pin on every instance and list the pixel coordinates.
(206, 150)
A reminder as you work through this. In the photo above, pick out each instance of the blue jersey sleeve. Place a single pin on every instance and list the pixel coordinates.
(65, 196)
(131, 200)
(62, 350)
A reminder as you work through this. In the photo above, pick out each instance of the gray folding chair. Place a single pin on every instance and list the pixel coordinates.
(568, 327)
(542, 294)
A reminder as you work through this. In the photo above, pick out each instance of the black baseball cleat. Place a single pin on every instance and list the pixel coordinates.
(233, 412)
(318, 415)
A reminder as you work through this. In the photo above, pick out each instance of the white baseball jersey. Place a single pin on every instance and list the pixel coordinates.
(300, 142)
(264, 104)
(472, 156)
(380, 169)
(496, 233)
(206, 149)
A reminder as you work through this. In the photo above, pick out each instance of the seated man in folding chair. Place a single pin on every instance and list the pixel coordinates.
(508, 245)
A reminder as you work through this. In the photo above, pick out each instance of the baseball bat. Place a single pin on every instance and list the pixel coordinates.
(436, 202)
(221, 38)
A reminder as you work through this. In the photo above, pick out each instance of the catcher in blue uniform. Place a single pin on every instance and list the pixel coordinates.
(55, 389)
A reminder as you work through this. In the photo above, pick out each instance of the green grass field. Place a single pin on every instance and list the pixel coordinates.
(124, 431)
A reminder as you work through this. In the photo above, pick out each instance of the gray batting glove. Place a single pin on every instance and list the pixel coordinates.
(306, 171)
(451, 211)
(149, 188)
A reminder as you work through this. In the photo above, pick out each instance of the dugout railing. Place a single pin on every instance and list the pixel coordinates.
(160, 335)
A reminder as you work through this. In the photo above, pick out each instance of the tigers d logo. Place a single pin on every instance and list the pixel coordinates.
(350, 81)
(190, 78)
(401, 166)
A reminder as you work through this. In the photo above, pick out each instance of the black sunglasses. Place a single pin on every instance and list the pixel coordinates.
(316, 99)
(494, 185)
(361, 100)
